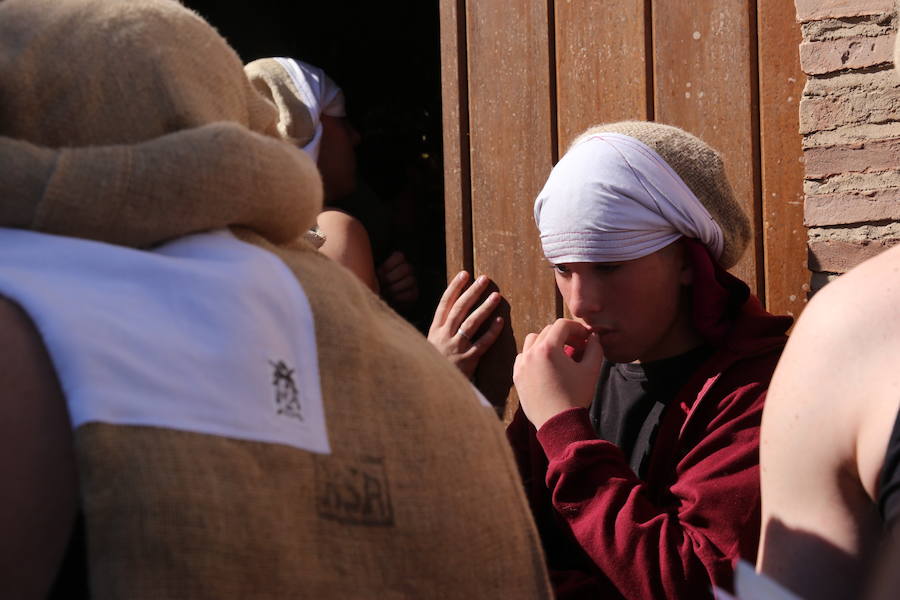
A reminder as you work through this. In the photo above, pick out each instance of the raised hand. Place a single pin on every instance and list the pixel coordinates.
(454, 329)
(557, 370)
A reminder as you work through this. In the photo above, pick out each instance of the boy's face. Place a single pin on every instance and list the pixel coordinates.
(638, 307)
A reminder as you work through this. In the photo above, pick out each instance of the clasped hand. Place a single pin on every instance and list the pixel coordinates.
(557, 370)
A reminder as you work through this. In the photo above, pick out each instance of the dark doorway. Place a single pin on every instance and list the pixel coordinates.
(386, 57)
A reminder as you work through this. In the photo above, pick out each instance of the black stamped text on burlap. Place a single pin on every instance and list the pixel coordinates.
(353, 491)
(287, 398)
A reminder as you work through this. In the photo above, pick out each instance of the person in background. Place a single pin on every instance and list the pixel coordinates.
(312, 115)
(637, 434)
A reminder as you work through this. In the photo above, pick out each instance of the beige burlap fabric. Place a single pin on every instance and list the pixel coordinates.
(269, 78)
(70, 79)
(702, 170)
(160, 188)
(420, 497)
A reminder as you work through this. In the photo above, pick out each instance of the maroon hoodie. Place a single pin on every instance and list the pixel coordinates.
(609, 534)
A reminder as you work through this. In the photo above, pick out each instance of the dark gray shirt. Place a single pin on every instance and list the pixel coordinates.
(631, 399)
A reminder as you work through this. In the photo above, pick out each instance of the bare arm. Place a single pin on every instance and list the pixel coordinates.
(38, 495)
(830, 410)
(347, 243)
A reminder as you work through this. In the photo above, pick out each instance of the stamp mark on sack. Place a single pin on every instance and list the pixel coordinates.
(354, 492)
(287, 398)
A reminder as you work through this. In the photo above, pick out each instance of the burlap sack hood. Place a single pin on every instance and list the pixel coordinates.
(131, 122)
(77, 128)
(295, 123)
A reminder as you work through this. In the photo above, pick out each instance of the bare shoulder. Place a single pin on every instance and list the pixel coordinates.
(347, 242)
(841, 354)
(862, 298)
(24, 364)
(829, 411)
(839, 373)
(37, 464)
(342, 221)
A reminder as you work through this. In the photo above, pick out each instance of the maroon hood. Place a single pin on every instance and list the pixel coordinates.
(725, 313)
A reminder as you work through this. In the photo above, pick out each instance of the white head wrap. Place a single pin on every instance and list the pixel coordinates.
(612, 198)
(318, 92)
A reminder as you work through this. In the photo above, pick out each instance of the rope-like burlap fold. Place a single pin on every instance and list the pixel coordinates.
(295, 123)
(141, 194)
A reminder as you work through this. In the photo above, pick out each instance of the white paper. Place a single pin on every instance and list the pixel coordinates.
(750, 585)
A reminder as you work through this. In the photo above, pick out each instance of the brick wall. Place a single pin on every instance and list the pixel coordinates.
(850, 122)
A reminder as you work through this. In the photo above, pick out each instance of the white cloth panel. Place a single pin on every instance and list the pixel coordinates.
(205, 334)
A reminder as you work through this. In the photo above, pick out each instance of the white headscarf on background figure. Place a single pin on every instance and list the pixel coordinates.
(320, 94)
(302, 93)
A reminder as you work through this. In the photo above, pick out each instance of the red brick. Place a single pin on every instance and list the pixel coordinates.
(845, 208)
(811, 10)
(839, 257)
(821, 113)
(817, 58)
(876, 155)
(848, 81)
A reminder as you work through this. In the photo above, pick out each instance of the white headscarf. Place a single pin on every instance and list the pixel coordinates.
(319, 93)
(612, 198)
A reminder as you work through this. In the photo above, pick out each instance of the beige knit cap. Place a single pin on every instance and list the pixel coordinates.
(133, 102)
(701, 168)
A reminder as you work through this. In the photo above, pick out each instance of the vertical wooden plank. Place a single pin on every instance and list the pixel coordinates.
(603, 71)
(510, 116)
(602, 66)
(705, 82)
(455, 116)
(780, 87)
